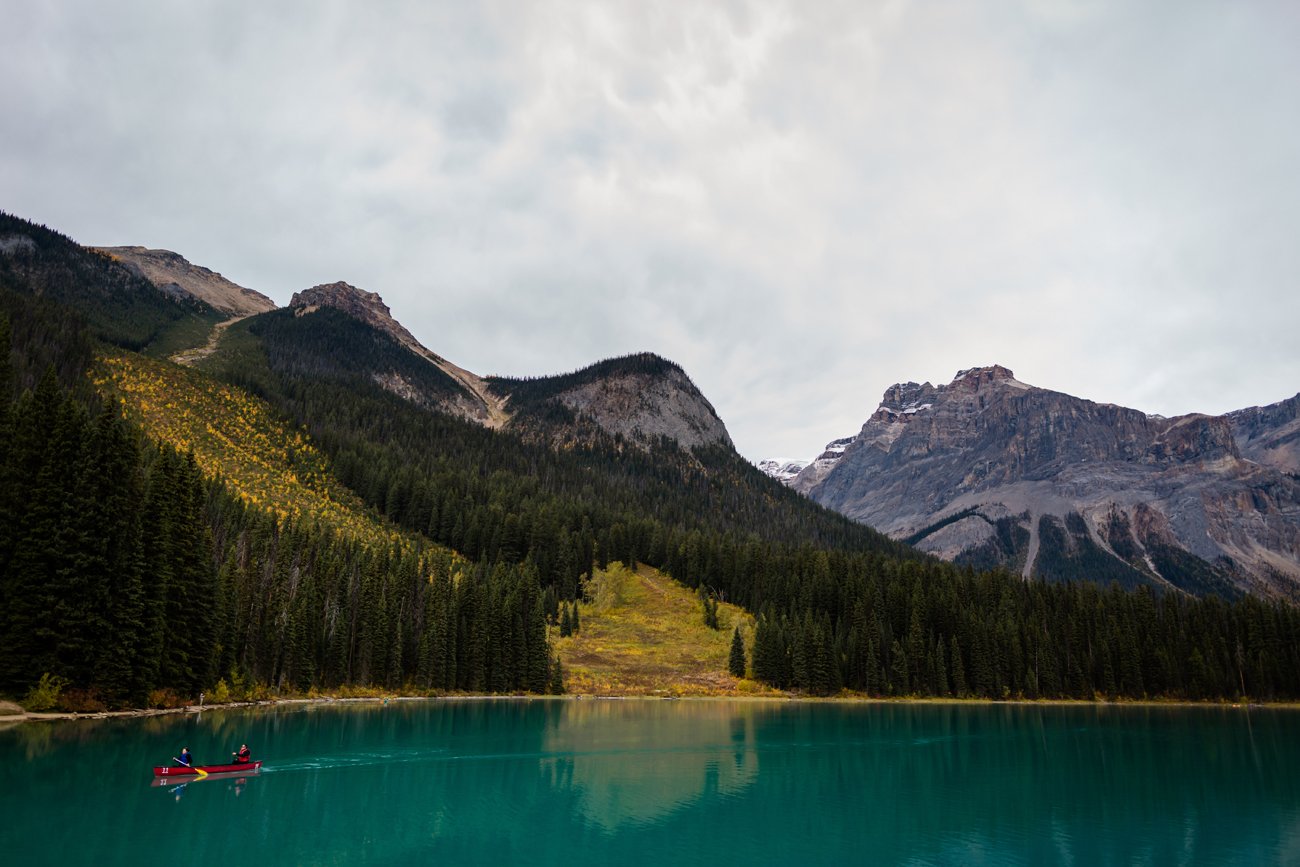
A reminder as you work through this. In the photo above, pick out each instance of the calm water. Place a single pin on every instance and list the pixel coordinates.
(652, 782)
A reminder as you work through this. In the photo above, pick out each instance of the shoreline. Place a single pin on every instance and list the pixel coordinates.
(69, 716)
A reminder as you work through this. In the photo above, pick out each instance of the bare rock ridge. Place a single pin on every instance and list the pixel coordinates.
(991, 471)
(639, 398)
(174, 274)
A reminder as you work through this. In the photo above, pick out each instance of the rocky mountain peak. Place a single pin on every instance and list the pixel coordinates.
(782, 469)
(992, 471)
(908, 397)
(814, 472)
(368, 307)
(977, 379)
(343, 296)
(476, 403)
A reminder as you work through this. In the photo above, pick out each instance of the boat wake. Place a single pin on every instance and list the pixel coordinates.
(356, 760)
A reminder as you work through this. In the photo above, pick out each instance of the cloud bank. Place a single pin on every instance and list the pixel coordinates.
(801, 203)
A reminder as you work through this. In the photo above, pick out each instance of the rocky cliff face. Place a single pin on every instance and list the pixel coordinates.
(1269, 435)
(174, 274)
(645, 407)
(992, 471)
(641, 398)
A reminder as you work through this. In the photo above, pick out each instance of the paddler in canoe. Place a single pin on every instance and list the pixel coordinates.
(241, 761)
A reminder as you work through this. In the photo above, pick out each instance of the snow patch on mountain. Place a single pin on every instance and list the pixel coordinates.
(814, 472)
(782, 469)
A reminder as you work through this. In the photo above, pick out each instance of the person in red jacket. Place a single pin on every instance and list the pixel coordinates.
(243, 756)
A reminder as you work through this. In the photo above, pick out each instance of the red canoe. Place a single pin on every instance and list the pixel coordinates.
(182, 771)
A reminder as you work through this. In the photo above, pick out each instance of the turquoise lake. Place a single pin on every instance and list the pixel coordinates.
(629, 782)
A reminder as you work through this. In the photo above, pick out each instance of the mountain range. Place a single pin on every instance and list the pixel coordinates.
(985, 470)
(639, 398)
(990, 471)
(325, 502)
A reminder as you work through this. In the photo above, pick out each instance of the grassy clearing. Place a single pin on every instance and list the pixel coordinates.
(644, 634)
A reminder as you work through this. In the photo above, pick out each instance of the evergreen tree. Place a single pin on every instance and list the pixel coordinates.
(556, 686)
(941, 668)
(898, 684)
(736, 661)
(958, 672)
(768, 653)
(873, 680)
(709, 605)
(6, 405)
(28, 636)
(822, 671)
(537, 672)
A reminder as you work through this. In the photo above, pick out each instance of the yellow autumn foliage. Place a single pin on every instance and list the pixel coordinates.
(239, 438)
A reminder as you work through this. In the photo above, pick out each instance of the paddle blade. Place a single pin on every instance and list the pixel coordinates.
(200, 771)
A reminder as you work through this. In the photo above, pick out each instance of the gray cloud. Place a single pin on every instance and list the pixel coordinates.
(800, 203)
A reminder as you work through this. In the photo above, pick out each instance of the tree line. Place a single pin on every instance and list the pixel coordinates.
(944, 632)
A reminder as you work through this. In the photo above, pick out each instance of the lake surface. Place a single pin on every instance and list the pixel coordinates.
(632, 782)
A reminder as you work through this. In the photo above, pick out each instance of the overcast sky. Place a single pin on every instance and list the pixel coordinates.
(801, 203)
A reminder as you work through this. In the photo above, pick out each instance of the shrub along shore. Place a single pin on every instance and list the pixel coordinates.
(14, 713)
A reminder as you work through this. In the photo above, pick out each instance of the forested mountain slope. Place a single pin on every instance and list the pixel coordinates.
(116, 304)
(193, 542)
(330, 371)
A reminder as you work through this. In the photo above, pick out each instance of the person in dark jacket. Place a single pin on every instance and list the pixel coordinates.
(186, 759)
(243, 756)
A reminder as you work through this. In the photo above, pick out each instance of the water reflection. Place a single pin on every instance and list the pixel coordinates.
(234, 783)
(643, 782)
(234, 787)
(635, 762)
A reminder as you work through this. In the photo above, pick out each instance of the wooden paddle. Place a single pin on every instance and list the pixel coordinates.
(202, 773)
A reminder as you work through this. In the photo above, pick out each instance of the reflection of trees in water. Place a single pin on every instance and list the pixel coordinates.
(33, 740)
(1043, 781)
(631, 762)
